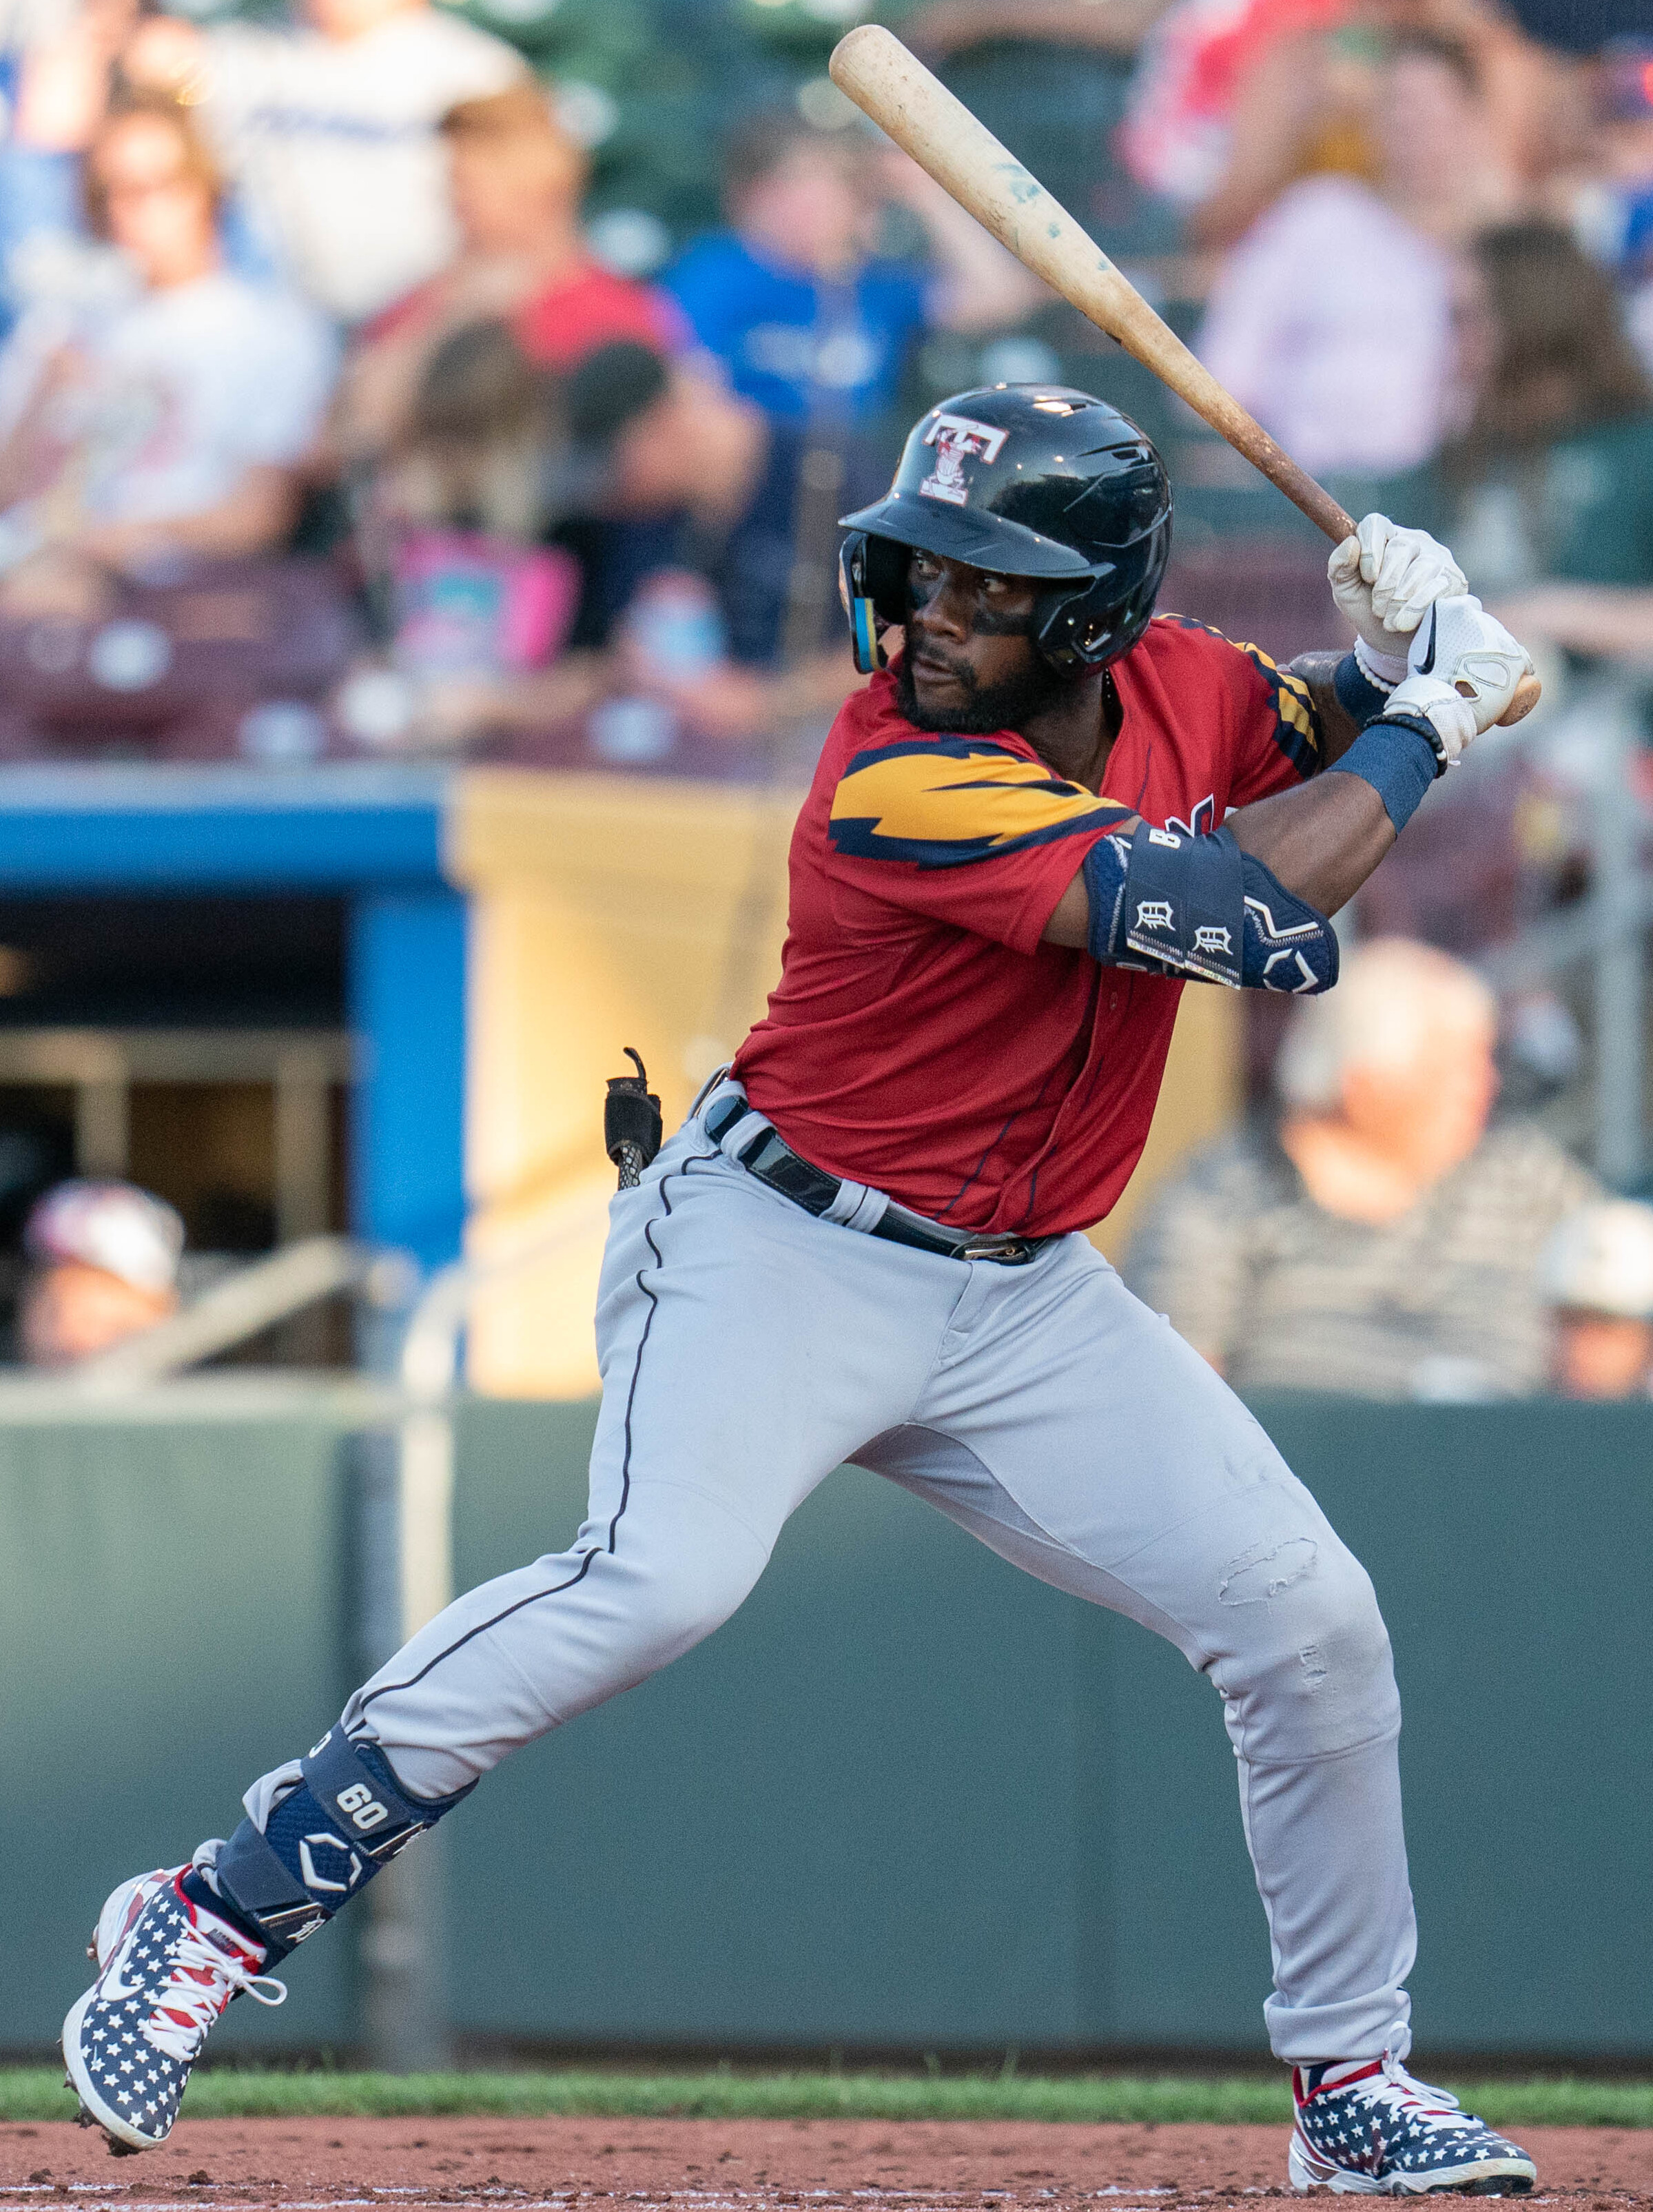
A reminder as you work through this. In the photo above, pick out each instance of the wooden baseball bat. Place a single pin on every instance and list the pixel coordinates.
(872, 67)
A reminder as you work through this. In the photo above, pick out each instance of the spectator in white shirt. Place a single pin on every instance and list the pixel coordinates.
(327, 127)
(169, 425)
(1333, 318)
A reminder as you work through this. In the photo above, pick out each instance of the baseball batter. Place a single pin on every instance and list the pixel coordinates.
(1047, 813)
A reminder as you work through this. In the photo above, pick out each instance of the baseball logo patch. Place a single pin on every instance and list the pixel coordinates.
(956, 439)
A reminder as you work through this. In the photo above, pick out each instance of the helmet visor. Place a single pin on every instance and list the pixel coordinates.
(975, 535)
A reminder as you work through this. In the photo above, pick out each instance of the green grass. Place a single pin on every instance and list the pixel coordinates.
(232, 2092)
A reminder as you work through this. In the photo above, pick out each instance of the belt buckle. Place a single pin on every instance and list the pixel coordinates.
(1010, 1252)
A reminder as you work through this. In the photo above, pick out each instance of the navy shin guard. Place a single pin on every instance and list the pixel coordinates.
(324, 1842)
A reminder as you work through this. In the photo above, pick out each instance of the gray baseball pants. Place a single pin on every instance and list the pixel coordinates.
(748, 1349)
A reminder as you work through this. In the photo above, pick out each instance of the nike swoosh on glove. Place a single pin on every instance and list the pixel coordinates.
(1465, 668)
(1385, 580)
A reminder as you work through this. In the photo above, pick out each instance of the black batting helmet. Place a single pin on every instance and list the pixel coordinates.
(1027, 480)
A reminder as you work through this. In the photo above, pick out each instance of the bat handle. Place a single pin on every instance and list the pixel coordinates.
(1315, 501)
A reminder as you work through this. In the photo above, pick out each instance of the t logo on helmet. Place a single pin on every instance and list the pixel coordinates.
(956, 439)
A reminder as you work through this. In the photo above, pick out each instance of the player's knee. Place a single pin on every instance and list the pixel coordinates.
(1346, 1627)
(665, 1594)
(1318, 1676)
(685, 1606)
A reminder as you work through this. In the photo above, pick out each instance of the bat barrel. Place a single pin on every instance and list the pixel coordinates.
(914, 107)
(872, 66)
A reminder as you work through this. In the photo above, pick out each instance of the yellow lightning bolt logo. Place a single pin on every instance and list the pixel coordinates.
(950, 801)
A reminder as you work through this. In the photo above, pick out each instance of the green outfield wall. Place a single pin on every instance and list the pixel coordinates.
(176, 1614)
(906, 1798)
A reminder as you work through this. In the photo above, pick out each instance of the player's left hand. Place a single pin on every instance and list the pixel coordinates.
(1384, 578)
(1465, 671)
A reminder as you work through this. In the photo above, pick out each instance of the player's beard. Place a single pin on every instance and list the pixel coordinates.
(987, 707)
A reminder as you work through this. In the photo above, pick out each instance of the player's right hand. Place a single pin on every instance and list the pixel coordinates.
(1465, 668)
(1384, 579)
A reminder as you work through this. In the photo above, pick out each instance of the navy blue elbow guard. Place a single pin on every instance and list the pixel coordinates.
(324, 1842)
(1172, 904)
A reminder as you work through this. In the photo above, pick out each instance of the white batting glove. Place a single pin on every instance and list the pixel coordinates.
(1465, 668)
(1384, 578)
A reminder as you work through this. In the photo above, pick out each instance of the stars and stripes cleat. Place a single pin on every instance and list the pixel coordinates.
(121, 1907)
(1368, 2129)
(167, 1969)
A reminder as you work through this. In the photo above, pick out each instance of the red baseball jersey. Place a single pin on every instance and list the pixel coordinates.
(922, 1038)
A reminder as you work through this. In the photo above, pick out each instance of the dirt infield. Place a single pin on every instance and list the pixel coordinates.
(726, 2166)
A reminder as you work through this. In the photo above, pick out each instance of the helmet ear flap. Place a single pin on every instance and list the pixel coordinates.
(1089, 624)
(1060, 631)
(873, 585)
(887, 561)
(857, 604)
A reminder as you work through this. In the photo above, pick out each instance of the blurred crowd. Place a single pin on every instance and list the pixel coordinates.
(1383, 1232)
(333, 416)
(322, 424)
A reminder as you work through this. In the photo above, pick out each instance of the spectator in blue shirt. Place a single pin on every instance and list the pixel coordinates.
(809, 322)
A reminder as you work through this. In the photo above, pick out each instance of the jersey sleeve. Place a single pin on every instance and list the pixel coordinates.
(1278, 742)
(963, 830)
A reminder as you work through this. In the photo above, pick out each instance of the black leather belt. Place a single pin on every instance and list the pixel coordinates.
(773, 1161)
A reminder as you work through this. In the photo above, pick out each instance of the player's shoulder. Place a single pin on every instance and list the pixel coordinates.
(1185, 653)
(1182, 650)
(887, 790)
(1174, 637)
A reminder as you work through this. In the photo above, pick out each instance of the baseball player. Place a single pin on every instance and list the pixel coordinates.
(1046, 814)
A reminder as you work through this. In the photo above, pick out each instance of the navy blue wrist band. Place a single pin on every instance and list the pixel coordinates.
(1360, 699)
(1399, 761)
